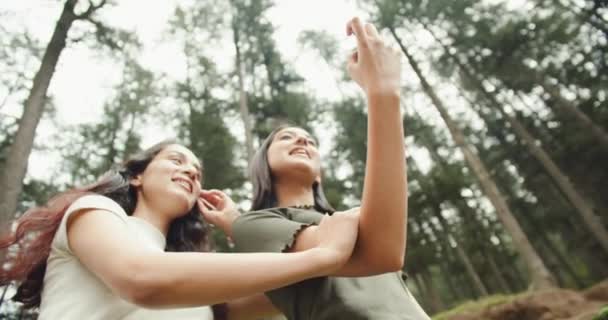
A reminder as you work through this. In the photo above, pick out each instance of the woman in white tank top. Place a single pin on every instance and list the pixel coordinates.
(129, 247)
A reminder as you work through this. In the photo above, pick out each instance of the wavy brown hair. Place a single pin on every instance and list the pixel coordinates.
(25, 249)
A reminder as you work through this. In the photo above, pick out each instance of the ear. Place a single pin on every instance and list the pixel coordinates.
(136, 182)
(318, 179)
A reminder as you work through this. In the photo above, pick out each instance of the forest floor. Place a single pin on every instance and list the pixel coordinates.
(555, 304)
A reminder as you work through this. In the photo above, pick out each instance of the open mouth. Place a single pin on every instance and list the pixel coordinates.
(184, 183)
(300, 152)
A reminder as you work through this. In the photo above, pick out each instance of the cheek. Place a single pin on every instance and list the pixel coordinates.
(156, 174)
(273, 157)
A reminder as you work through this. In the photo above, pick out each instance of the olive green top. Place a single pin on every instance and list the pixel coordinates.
(382, 296)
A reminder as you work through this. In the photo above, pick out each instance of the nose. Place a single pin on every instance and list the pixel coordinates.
(190, 170)
(302, 140)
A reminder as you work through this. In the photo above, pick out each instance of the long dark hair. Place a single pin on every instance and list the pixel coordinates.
(264, 194)
(36, 228)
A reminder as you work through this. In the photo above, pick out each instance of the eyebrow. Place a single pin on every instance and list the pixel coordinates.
(184, 157)
(294, 132)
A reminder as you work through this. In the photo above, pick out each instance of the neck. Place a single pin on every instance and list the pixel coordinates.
(144, 212)
(293, 194)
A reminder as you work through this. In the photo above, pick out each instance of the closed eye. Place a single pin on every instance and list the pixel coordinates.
(285, 137)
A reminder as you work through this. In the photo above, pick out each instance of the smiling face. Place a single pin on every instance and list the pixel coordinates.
(293, 152)
(171, 182)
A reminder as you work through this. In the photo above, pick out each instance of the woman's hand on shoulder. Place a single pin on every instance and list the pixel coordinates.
(218, 209)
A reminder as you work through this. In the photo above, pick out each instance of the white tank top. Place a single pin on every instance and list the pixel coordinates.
(72, 292)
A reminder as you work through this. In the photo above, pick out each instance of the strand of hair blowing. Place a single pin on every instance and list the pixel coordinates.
(26, 249)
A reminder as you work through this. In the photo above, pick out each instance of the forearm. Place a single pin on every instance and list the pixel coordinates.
(383, 217)
(194, 279)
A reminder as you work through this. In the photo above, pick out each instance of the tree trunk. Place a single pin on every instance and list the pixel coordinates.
(423, 291)
(444, 263)
(576, 114)
(540, 275)
(243, 107)
(562, 260)
(502, 282)
(591, 220)
(483, 236)
(11, 180)
(463, 257)
(433, 295)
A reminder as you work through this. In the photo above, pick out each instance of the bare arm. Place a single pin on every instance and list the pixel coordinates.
(381, 241)
(382, 226)
(174, 279)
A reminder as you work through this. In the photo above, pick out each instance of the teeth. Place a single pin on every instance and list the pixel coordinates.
(301, 152)
(184, 184)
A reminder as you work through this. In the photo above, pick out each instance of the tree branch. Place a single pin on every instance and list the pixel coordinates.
(90, 10)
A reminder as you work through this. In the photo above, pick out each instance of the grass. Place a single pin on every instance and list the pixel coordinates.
(603, 314)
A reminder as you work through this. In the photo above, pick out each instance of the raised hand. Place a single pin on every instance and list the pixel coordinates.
(375, 66)
(218, 209)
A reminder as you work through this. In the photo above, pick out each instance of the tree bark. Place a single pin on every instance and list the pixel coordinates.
(243, 107)
(11, 180)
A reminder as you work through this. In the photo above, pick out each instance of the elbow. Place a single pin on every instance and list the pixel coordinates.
(140, 295)
(396, 263)
(141, 287)
(385, 264)
(392, 264)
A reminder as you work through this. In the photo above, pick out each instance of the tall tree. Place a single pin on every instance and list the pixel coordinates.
(11, 179)
(237, 34)
(540, 275)
(585, 210)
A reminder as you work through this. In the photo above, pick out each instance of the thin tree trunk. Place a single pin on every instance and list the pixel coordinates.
(481, 288)
(563, 262)
(543, 127)
(576, 114)
(502, 282)
(243, 107)
(11, 179)
(540, 275)
(424, 292)
(444, 263)
(567, 107)
(464, 208)
(435, 299)
(442, 236)
(591, 220)
(483, 237)
(463, 257)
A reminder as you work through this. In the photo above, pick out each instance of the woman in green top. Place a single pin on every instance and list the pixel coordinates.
(288, 203)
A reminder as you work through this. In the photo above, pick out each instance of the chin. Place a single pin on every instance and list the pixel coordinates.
(182, 201)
